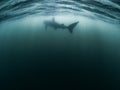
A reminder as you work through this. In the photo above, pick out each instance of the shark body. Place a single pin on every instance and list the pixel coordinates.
(56, 25)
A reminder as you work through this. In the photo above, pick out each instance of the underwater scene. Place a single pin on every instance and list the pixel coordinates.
(60, 44)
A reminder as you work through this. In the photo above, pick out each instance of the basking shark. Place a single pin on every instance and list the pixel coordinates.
(56, 25)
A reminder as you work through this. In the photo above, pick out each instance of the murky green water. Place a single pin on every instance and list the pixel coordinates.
(32, 57)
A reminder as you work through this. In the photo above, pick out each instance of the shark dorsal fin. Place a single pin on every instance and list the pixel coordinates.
(53, 19)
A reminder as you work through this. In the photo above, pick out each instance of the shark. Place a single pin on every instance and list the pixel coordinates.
(52, 23)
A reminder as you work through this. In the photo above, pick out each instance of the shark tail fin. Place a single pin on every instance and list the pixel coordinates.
(72, 26)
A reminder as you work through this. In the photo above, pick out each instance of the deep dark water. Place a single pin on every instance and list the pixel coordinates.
(33, 58)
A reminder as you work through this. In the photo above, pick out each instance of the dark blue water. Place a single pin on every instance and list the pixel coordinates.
(32, 57)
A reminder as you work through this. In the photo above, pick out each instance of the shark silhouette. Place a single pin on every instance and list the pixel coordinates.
(56, 25)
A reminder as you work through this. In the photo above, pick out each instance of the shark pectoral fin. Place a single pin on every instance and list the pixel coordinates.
(55, 28)
(46, 27)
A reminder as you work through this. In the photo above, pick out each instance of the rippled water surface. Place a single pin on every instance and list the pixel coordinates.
(107, 10)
